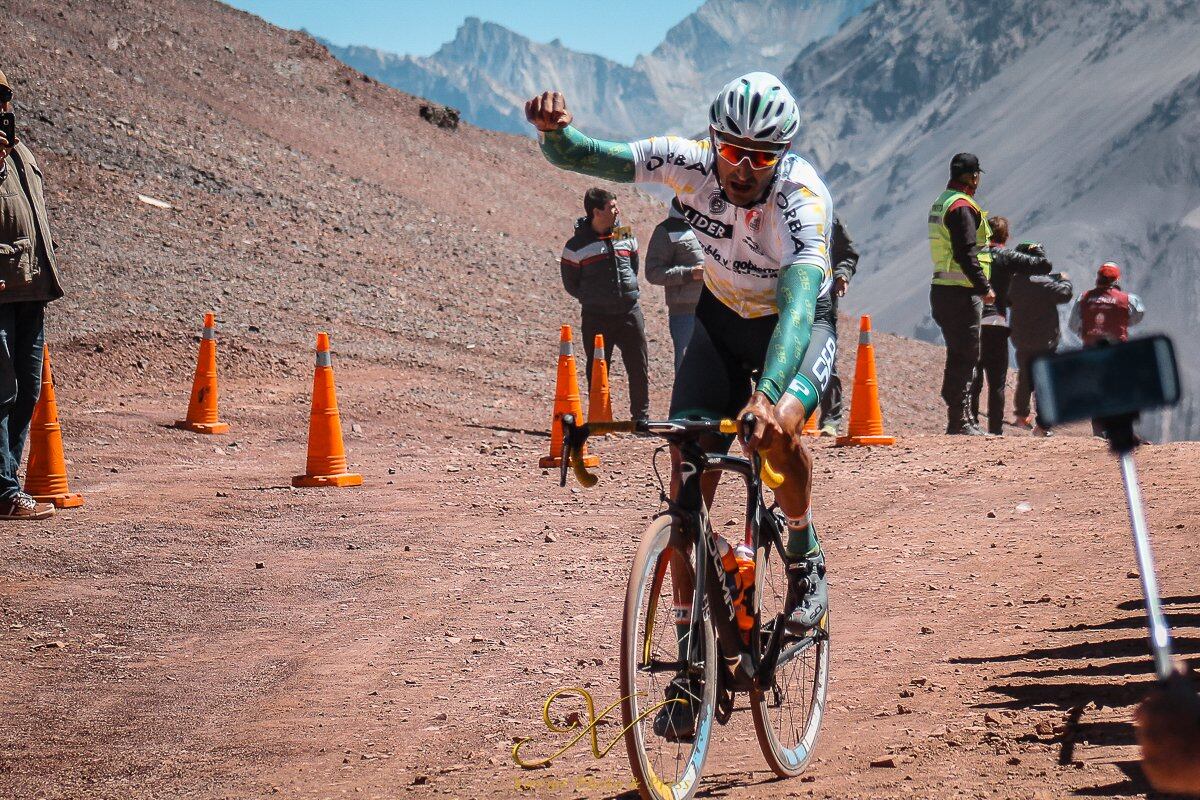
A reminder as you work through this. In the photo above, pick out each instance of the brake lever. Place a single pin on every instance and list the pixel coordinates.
(762, 468)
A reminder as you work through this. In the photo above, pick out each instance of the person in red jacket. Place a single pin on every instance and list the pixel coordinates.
(1105, 312)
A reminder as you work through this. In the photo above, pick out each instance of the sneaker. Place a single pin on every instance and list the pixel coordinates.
(22, 506)
(1023, 422)
(828, 429)
(966, 429)
(676, 722)
(1038, 430)
(806, 577)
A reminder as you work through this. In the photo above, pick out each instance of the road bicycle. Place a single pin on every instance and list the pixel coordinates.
(784, 673)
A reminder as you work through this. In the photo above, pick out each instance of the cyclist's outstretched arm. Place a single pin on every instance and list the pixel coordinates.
(568, 148)
(572, 149)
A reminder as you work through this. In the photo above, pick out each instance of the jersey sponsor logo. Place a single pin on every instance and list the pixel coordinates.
(794, 225)
(705, 224)
(753, 246)
(712, 252)
(748, 267)
(675, 159)
(823, 367)
(754, 220)
(716, 203)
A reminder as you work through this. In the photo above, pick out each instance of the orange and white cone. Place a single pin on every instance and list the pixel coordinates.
(866, 418)
(599, 395)
(566, 401)
(46, 469)
(202, 408)
(810, 425)
(326, 465)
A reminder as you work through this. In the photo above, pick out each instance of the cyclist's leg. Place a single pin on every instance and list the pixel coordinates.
(795, 462)
(700, 392)
(707, 383)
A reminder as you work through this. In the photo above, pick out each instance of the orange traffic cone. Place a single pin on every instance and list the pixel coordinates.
(566, 401)
(326, 465)
(599, 398)
(866, 418)
(202, 408)
(46, 469)
(810, 425)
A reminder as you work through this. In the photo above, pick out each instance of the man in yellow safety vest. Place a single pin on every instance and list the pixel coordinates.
(958, 240)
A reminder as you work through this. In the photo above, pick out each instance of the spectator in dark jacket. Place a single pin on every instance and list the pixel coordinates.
(993, 331)
(28, 281)
(675, 261)
(1034, 302)
(844, 258)
(599, 269)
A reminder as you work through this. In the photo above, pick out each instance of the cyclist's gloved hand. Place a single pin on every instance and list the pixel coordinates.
(548, 112)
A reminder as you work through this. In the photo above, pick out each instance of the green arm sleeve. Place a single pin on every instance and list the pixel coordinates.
(796, 296)
(570, 149)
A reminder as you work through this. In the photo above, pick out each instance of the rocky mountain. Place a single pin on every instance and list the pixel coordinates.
(1085, 116)
(488, 71)
(725, 38)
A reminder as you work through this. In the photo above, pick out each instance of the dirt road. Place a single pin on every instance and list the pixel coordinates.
(395, 639)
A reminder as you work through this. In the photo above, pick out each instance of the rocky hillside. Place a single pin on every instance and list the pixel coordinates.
(1087, 132)
(488, 70)
(303, 196)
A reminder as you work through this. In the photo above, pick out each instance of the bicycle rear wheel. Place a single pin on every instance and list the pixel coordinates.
(787, 715)
(665, 767)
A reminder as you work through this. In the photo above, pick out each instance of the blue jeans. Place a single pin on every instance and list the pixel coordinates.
(22, 334)
(681, 326)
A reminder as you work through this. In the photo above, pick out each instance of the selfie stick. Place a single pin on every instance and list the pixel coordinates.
(1123, 442)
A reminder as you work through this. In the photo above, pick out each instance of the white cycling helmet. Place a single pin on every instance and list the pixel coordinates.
(756, 106)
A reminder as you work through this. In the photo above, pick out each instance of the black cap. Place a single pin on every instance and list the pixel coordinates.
(964, 164)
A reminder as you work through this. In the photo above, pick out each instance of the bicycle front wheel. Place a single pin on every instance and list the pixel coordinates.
(666, 748)
(788, 714)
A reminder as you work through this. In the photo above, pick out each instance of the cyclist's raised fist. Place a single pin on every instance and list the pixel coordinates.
(548, 112)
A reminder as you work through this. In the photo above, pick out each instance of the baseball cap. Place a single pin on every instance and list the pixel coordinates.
(1109, 271)
(5, 89)
(963, 164)
(4, 81)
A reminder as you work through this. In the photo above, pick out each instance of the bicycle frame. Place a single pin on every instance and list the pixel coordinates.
(747, 669)
(751, 666)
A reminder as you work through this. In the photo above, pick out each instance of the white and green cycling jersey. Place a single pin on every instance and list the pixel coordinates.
(745, 248)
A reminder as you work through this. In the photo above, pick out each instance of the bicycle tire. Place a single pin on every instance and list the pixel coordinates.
(637, 720)
(786, 745)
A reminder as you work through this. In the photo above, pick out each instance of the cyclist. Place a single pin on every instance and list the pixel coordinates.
(763, 217)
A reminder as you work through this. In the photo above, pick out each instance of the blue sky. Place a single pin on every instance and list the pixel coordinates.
(617, 29)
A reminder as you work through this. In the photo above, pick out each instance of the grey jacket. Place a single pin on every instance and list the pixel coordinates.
(673, 253)
(601, 272)
(1033, 309)
(27, 263)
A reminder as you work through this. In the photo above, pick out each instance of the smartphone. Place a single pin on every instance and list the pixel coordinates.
(1106, 381)
(8, 126)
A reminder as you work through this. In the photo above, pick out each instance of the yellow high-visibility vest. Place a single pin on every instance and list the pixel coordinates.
(946, 271)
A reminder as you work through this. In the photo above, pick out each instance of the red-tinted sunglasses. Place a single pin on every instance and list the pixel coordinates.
(759, 159)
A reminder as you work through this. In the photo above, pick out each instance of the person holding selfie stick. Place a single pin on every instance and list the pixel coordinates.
(28, 280)
(1112, 384)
